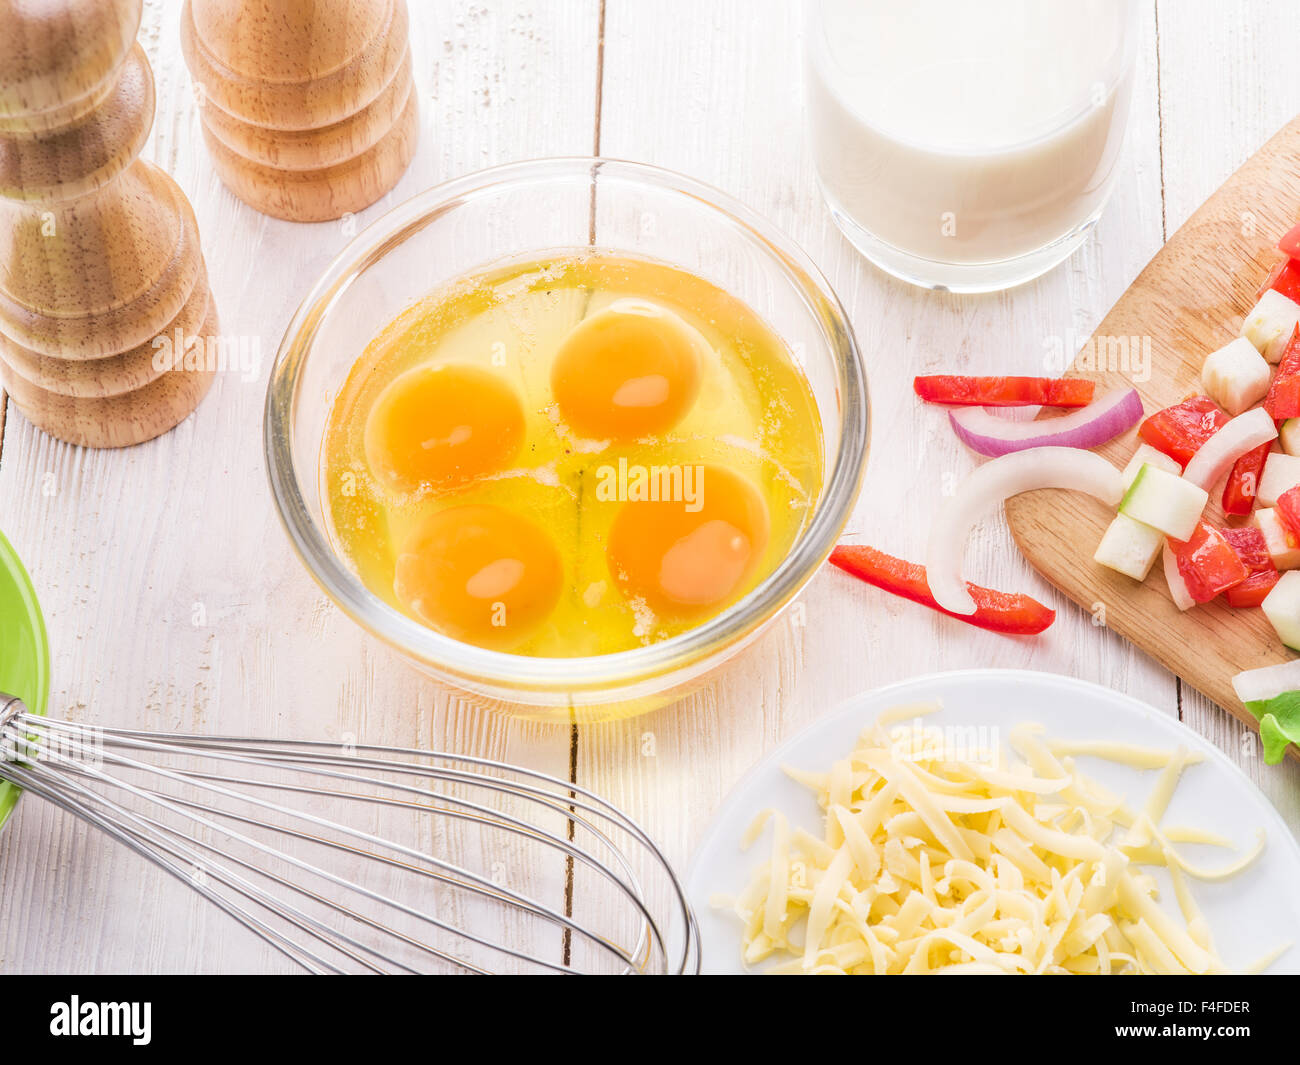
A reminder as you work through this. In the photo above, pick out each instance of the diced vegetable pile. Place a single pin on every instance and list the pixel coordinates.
(1243, 433)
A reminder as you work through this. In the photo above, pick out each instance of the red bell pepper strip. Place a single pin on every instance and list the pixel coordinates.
(1290, 242)
(1283, 399)
(1207, 562)
(1249, 544)
(1018, 615)
(1284, 278)
(1180, 430)
(1243, 481)
(960, 391)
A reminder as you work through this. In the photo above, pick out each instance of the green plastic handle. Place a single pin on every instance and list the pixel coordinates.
(24, 649)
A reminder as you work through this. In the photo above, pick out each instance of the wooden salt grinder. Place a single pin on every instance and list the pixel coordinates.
(100, 266)
(309, 109)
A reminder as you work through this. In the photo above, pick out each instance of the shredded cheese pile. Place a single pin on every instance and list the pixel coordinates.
(933, 863)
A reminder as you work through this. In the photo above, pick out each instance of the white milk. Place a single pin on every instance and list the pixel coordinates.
(949, 133)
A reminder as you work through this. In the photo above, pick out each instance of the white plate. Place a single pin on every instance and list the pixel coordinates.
(1250, 915)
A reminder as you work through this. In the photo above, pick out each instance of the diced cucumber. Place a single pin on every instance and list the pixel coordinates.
(1289, 435)
(1236, 376)
(1270, 323)
(1164, 501)
(1282, 607)
(1280, 473)
(1284, 556)
(1129, 547)
(1146, 453)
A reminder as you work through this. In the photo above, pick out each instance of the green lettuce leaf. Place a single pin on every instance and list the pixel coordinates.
(1279, 723)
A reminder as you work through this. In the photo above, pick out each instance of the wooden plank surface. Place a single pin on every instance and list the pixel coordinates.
(1216, 111)
(736, 68)
(172, 595)
(128, 543)
(1187, 302)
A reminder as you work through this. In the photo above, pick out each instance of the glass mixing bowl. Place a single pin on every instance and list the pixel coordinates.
(540, 206)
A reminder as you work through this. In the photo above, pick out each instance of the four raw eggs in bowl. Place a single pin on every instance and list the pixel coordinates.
(571, 455)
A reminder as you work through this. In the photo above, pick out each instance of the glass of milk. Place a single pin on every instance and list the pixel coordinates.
(968, 145)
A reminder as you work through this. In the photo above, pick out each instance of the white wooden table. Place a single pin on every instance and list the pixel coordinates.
(129, 549)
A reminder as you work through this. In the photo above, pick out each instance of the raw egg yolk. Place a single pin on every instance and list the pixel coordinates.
(686, 557)
(443, 426)
(629, 371)
(479, 573)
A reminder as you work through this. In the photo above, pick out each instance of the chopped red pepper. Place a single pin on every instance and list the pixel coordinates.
(1018, 615)
(1180, 430)
(1243, 481)
(1207, 562)
(1249, 544)
(1248, 541)
(1254, 589)
(1284, 278)
(1283, 399)
(1290, 242)
(962, 391)
(1288, 513)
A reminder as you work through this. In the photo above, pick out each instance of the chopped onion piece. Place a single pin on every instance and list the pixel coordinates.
(987, 488)
(1177, 586)
(1215, 457)
(1258, 685)
(1101, 420)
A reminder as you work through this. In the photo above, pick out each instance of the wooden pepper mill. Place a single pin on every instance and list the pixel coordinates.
(308, 106)
(101, 272)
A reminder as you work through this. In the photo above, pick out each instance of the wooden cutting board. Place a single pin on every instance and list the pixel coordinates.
(1188, 301)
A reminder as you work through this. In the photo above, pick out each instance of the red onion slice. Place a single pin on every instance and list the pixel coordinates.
(1101, 420)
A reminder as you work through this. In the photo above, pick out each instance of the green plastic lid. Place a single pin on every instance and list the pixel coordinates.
(24, 649)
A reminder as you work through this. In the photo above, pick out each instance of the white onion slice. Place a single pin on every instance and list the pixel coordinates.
(1260, 685)
(1213, 459)
(987, 488)
(1173, 577)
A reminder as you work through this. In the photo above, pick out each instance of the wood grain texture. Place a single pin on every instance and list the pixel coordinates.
(715, 91)
(99, 250)
(172, 596)
(1187, 302)
(127, 543)
(1216, 111)
(309, 110)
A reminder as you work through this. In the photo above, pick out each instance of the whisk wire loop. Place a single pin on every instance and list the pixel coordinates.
(227, 814)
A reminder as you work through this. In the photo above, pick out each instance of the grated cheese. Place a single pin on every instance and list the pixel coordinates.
(931, 863)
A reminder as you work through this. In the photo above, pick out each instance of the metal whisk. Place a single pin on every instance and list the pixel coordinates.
(372, 859)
